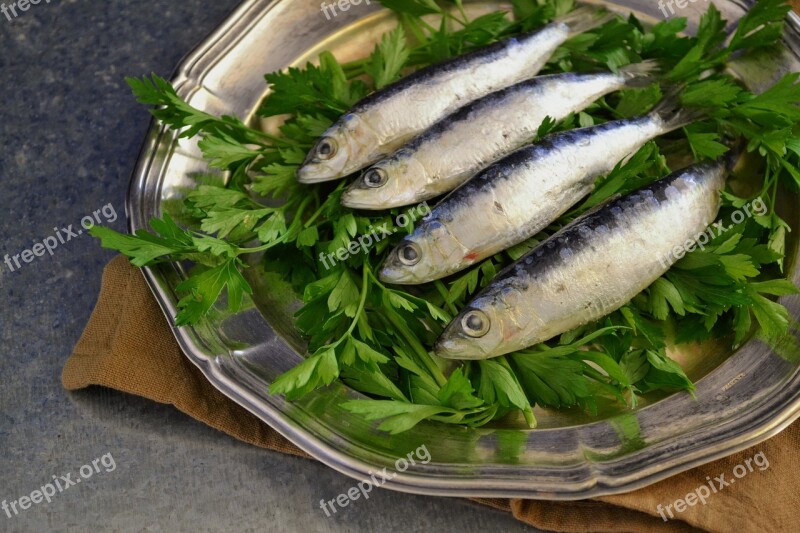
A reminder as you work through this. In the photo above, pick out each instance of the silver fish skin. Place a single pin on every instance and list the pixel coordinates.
(390, 117)
(520, 195)
(460, 145)
(590, 268)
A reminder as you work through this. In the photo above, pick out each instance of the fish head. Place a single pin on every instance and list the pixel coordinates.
(478, 332)
(394, 182)
(493, 324)
(343, 149)
(429, 253)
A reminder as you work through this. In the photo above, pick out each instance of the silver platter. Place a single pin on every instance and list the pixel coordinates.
(742, 398)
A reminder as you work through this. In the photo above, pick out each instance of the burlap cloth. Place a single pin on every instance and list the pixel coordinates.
(128, 346)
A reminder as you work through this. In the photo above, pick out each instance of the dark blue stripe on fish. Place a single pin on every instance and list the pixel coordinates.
(506, 167)
(424, 75)
(465, 113)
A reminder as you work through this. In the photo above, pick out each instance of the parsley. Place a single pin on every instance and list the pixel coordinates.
(377, 338)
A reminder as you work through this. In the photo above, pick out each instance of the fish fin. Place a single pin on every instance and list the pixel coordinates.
(640, 75)
(584, 19)
(673, 114)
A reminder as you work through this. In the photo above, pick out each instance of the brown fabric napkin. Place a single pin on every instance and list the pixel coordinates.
(128, 346)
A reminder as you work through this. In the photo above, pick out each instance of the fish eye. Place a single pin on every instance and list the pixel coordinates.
(409, 254)
(326, 148)
(475, 323)
(375, 177)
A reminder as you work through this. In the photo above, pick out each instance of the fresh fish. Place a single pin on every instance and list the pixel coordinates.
(390, 117)
(460, 145)
(520, 195)
(590, 268)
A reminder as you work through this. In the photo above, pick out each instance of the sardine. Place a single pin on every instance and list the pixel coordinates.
(460, 145)
(390, 117)
(520, 195)
(590, 268)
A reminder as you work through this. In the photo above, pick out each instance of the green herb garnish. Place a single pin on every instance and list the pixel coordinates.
(376, 338)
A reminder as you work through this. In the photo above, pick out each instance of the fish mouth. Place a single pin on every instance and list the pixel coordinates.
(396, 276)
(312, 172)
(458, 348)
(357, 197)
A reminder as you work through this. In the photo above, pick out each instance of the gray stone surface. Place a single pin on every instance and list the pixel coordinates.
(69, 136)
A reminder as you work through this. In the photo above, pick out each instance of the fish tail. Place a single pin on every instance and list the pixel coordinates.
(737, 149)
(584, 19)
(640, 75)
(673, 114)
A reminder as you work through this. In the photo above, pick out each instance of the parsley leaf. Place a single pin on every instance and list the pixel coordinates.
(389, 58)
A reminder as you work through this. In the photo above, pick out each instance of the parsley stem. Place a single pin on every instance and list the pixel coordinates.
(465, 18)
(316, 214)
(446, 297)
(414, 343)
(363, 300)
(356, 65)
(376, 281)
(427, 26)
(411, 339)
(262, 248)
(774, 193)
(604, 105)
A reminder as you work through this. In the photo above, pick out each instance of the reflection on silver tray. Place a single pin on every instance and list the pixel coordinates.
(741, 400)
